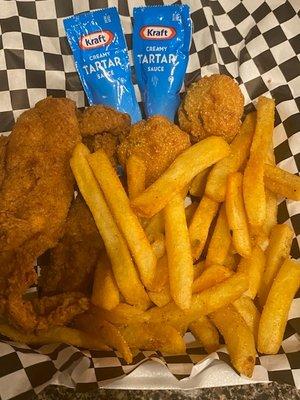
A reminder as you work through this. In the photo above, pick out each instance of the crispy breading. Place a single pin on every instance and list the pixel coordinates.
(35, 197)
(212, 106)
(71, 263)
(103, 127)
(38, 186)
(99, 119)
(157, 142)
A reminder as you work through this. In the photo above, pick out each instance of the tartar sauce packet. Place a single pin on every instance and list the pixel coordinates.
(101, 59)
(161, 43)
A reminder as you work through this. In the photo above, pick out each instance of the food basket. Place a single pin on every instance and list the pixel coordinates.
(257, 43)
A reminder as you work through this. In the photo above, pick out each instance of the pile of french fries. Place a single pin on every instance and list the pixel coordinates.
(221, 265)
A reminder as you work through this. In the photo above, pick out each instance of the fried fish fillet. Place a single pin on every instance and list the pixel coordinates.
(35, 197)
(71, 263)
(212, 106)
(103, 127)
(157, 142)
(3, 144)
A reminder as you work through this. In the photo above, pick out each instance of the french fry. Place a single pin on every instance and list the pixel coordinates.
(190, 211)
(282, 182)
(206, 333)
(200, 224)
(198, 184)
(105, 292)
(246, 307)
(278, 250)
(149, 336)
(275, 312)
(203, 303)
(122, 314)
(253, 184)
(136, 176)
(198, 269)
(240, 147)
(162, 274)
(127, 221)
(236, 214)
(60, 334)
(260, 234)
(180, 173)
(123, 268)
(232, 260)
(180, 263)
(254, 267)
(238, 338)
(161, 298)
(155, 226)
(211, 276)
(158, 246)
(106, 331)
(220, 241)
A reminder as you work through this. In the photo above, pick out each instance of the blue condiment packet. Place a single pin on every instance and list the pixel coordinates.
(161, 43)
(101, 59)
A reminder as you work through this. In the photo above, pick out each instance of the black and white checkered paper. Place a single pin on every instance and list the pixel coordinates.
(258, 43)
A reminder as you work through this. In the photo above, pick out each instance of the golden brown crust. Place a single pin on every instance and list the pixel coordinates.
(99, 119)
(157, 142)
(212, 106)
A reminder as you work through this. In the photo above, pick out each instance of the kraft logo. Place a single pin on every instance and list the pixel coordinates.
(96, 39)
(157, 32)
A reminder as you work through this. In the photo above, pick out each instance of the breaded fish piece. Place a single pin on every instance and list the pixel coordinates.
(35, 197)
(99, 119)
(37, 189)
(157, 142)
(103, 127)
(212, 106)
(72, 262)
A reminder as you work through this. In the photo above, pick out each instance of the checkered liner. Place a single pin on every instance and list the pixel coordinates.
(256, 42)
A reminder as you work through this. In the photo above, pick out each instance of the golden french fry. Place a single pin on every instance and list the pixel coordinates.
(155, 226)
(203, 303)
(186, 166)
(211, 276)
(136, 176)
(260, 234)
(246, 307)
(123, 268)
(275, 312)
(206, 333)
(149, 336)
(220, 241)
(161, 298)
(232, 260)
(106, 331)
(198, 269)
(161, 275)
(105, 292)
(200, 224)
(254, 267)
(180, 263)
(158, 247)
(122, 314)
(126, 219)
(240, 147)
(282, 182)
(190, 211)
(198, 184)
(59, 334)
(236, 214)
(253, 184)
(238, 338)
(278, 250)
